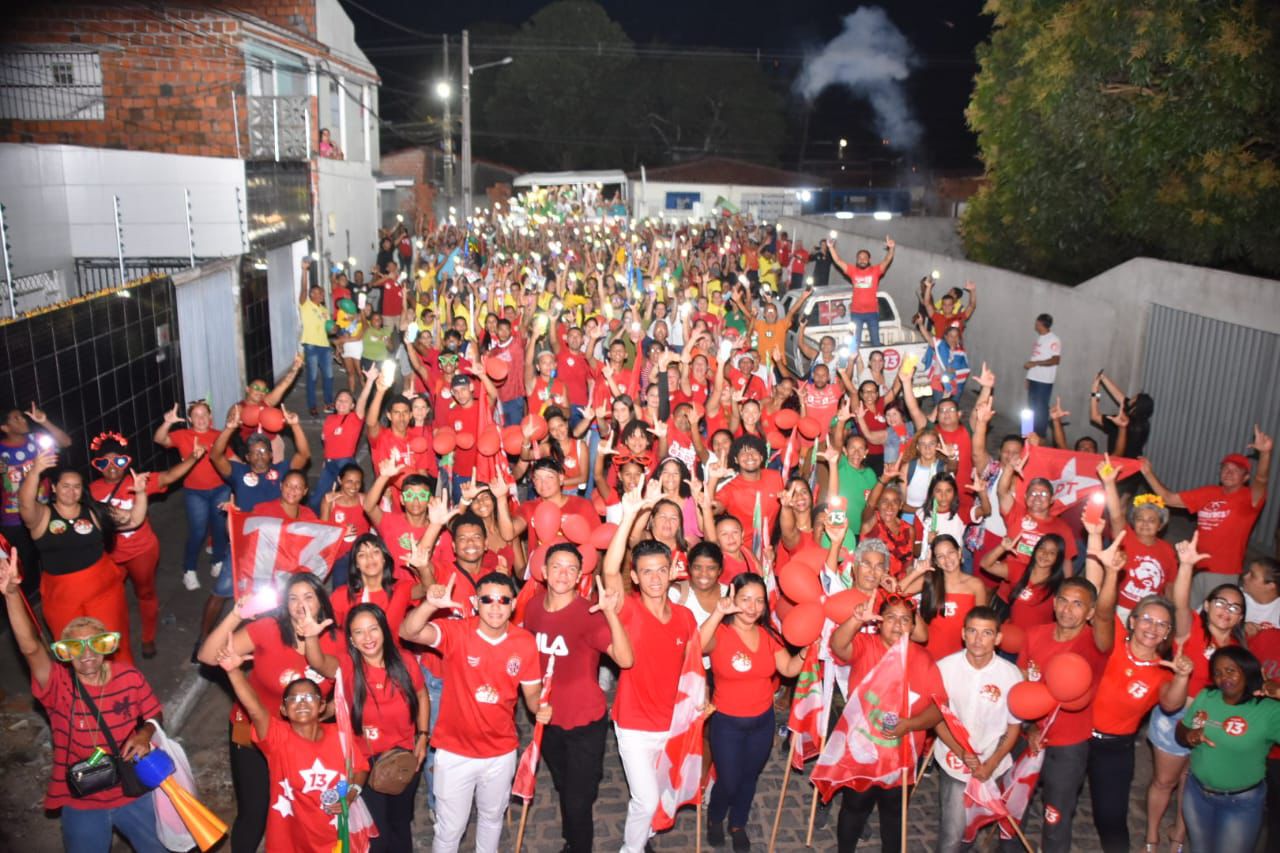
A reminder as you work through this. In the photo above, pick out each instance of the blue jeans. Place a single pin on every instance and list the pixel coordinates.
(328, 476)
(319, 359)
(205, 519)
(1223, 823)
(513, 411)
(870, 319)
(89, 830)
(435, 690)
(740, 748)
(1038, 396)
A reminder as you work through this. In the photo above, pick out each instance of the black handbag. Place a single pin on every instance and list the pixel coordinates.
(85, 779)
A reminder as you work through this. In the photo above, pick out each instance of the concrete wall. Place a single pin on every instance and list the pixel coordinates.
(649, 198)
(1102, 322)
(936, 234)
(58, 204)
(348, 203)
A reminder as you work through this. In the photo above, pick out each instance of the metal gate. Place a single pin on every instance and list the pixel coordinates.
(209, 324)
(1211, 382)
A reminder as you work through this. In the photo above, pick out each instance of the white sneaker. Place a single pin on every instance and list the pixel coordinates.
(215, 569)
(208, 549)
(190, 581)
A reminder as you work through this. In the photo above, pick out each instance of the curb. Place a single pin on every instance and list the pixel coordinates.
(178, 708)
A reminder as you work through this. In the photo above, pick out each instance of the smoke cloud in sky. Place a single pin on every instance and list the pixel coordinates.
(872, 58)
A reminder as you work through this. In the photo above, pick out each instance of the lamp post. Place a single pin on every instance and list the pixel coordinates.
(467, 70)
(443, 91)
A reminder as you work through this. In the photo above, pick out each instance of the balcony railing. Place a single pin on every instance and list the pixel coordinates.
(280, 127)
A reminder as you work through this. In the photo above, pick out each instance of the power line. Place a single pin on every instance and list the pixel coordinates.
(389, 22)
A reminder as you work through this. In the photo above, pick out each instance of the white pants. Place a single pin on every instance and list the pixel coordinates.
(458, 780)
(639, 751)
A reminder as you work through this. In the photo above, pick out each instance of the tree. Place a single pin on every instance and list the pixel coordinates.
(1111, 130)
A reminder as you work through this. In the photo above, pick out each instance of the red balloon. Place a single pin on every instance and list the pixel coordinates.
(811, 557)
(1012, 638)
(783, 607)
(1079, 704)
(809, 427)
(803, 624)
(590, 559)
(1068, 676)
(840, 606)
(539, 426)
(444, 440)
(538, 563)
(512, 440)
(497, 368)
(576, 529)
(799, 583)
(603, 535)
(786, 419)
(489, 442)
(776, 439)
(271, 419)
(546, 520)
(419, 444)
(1031, 700)
(249, 414)
(466, 440)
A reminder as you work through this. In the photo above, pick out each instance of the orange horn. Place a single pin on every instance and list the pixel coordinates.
(205, 826)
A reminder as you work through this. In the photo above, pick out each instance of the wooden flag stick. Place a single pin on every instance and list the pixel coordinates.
(1025, 843)
(524, 816)
(697, 835)
(813, 806)
(786, 777)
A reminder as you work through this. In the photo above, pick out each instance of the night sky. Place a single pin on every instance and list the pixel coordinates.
(943, 34)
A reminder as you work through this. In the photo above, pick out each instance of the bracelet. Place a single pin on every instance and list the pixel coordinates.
(420, 733)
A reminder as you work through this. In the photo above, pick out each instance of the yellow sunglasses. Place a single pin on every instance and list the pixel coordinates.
(99, 644)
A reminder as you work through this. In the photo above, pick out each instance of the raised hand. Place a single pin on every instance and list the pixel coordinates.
(438, 512)
(1188, 552)
(726, 607)
(441, 597)
(1262, 442)
(372, 374)
(1111, 554)
(139, 481)
(229, 659)
(388, 468)
(607, 600)
(986, 378)
(9, 579)
(37, 415)
(866, 612)
(1056, 412)
(499, 487)
(198, 450)
(1107, 472)
(172, 417)
(470, 489)
(290, 418)
(309, 627)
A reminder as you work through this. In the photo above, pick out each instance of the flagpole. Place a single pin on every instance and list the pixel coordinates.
(905, 747)
(786, 777)
(524, 816)
(697, 834)
(1025, 843)
(813, 806)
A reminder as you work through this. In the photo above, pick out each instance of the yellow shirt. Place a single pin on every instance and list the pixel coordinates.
(314, 318)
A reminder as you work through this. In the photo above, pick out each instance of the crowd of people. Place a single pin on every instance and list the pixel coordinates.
(571, 448)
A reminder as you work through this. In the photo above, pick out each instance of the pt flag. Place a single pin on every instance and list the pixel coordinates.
(1074, 475)
(982, 801)
(805, 720)
(680, 762)
(526, 778)
(859, 754)
(262, 548)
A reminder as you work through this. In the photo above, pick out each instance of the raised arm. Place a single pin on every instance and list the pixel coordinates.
(25, 633)
(277, 393)
(301, 448)
(177, 472)
(171, 418)
(1263, 444)
(1171, 498)
(231, 661)
(633, 503)
(842, 637)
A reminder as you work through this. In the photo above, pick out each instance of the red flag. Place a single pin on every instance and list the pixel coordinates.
(360, 826)
(982, 802)
(805, 720)
(859, 754)
(1021, 785)
(527, 770)
(263, 547)
(1074, 475)
(680, 763)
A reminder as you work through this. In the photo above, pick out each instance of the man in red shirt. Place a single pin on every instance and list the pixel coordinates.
(575, 632)
(754, 484)
(487, 662)
(799, 260)
(1066, 743)
(509, 347)
(1225, 513)
(572, 368)
(647, 691)
(547, 477)
(864, 308)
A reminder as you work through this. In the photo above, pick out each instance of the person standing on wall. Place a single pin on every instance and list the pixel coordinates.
(1042, 369)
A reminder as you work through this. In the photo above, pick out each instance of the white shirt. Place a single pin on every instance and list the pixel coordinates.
(1046, 347)
(1260, 613)
(980, 698)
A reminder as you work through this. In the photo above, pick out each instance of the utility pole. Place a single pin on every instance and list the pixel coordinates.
(466, 123)
(448, 126)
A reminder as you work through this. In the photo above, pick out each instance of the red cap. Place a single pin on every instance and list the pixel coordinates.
(1239, 460)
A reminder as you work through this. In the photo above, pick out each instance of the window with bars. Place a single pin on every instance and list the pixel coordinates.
(51, 85)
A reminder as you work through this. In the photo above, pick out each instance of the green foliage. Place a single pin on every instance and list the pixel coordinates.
(1111, 130)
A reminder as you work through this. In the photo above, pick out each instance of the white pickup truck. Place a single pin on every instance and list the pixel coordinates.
(827, 313)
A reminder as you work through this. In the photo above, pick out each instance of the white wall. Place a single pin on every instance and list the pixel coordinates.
(348, 201)
(58, 204)
(649, 198)
(928, 233)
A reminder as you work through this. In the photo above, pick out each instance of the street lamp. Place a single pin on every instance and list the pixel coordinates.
(467, 70)
(844, 143)
(444, 89)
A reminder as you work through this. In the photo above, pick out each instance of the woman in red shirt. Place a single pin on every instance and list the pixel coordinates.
(203, 491)
(289, 506)
(947, 595)
(340, 436)
(1031, 597)
(345, 506)
(374, 582)
(389, 709)
(882, 519)
(747, 657)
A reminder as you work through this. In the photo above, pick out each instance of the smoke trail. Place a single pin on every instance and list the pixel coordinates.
(872, 58)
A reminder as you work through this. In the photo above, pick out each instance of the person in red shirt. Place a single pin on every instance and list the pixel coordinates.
(864, 307)
(1152, 561)
(747, 657)
(304, 758)
(388, 705)
(374, 582)
(391, 443)
(947, 595)
(487, 663)
(799, 260)
(400, 530)
(203, 490)
(546, 475)
(862, 650)
(340, 436)
(754, 485)
(647, 692)
(345, 505)
(1031, 597)
(1028, 522)
(572, 368)
(1225, 513)
(576, 633)
(470, 411)
(289, 506)
(509, 348)
(820, 398)
(542, 388)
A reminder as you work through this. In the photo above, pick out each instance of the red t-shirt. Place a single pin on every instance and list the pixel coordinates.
(1223, 521)
(942, 322)
(959, 437)
(546, 393)
(464, 419)
(512, 352)
(799, 258)
(821, 403)
(875, 421)
(341, 435)
(135, 542)
(866, 283)
(385, 721)
(946, 631)
(739, 499)
(392, 298)
(924, 680)
(576, 638)
(1149, 570)
(353, 518)
(573, 505)
(394, 604)
(1069, 727)
(1200, 649)
(572, 369)
(1027, 531)
(301, 770)
(275, 509)
(1265, 646)
(744, 679)
(387, 445)
(1128, 690)
(482, 680)
(1033, 606)
(399, 536)
(734, 566)
(647, 691)
(203, 475)
(275, 664)
(125, 701)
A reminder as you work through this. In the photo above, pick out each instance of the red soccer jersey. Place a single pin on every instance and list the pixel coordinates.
(482, 679)
(647, 691)
(203, 475)
(399, 535)
(739, 499)
(821, 403)
(576, 637)
(512, 352)
(866, 283)
(1069, 727)
(301, 770)
(1223, 521)
(341, 435)
(744, 679)
(1128, 690)
(388, 445)
(386, 721)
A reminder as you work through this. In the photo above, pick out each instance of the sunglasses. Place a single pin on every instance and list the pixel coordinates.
(102, 463)
(495, 599)
(261, 389)
(98, 644)
(301, 699)
(416, 494)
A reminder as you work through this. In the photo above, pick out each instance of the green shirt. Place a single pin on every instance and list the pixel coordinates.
(375, 343)
(1241, 735)
(855, 485)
